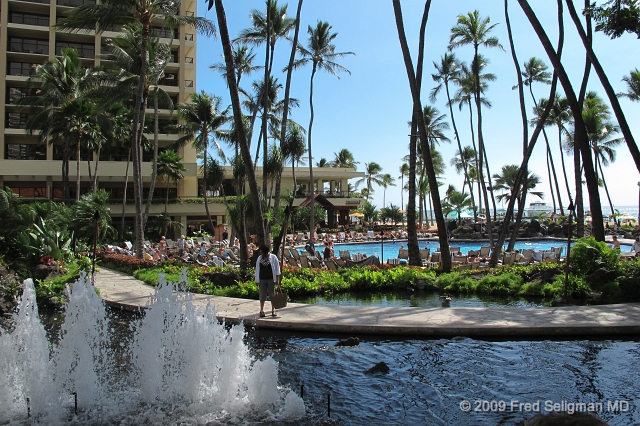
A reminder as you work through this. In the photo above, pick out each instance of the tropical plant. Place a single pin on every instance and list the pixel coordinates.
(320, 53)
(344, 159)
(458, 201)
(243, 58)
(109, 14)
(371, 175)
(633, 86)
(506, 182)
(44, 240)
(387, 181)
(370, 212)
(201, 123)
(89, 213)
(171, 168)
(404, 172)
(473, 30)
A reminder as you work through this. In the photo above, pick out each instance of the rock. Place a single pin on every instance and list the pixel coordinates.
(42, 272)
(380, 367)
(349, 341)
(534, 226)
(546, 276)
(601, 275)
(566, 419)
(222, 279)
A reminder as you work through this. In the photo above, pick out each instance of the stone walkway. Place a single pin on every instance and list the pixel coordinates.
(126, 292)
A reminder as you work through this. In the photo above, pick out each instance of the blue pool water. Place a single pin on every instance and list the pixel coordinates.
(390, 249)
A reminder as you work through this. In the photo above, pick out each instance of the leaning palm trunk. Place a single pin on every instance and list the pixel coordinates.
(95, 170)
(613, 99)
(490, 187)
(312, 228)
(481, 156)
(475, 151)
(417, 113)
(604, 183)
(465, 167)
(553, 197)
(124, 196)
(285, 115)
(581, 138)
(78, 167)
(237, 115)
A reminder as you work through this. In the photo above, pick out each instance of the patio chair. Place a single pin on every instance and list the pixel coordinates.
(345, 254)
(473, 253)
(484, 251)
(509, 258)
(341, 263)
(331, 265)
(454, 250)
(304, 261)
(315, 262)
(394, 261)
(403, 254)
(436, 257)
(424, 256)
(462, 259)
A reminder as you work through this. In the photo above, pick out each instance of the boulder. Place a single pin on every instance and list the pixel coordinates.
(566, 419)
(42, 272)
(380, 367)
(222, 279)
(546, 276)
(349, 341)
(534, 226)
(602, 275)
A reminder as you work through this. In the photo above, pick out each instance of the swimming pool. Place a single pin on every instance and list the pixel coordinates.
(390, 249)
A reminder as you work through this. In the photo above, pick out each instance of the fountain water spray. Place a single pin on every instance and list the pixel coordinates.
(180, 362)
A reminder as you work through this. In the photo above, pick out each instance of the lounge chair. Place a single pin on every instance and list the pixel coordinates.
(509, 258)
(424, 256)
(473, 253)
(341, 263)
(304, 261)
(466, 266)
(315, 262)
(393, 261)
(331, 265)
(462, 259)
(454, 250)
(345, 254)
(484, 251)
(403, 254)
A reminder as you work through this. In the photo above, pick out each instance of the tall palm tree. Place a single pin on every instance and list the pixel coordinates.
(323, 162)
(387, 181)
(473, 30)
(633, 86)
(458, 201)
(294, 148)
(371, 175)
(171, 168)
(467, 157)
(344, 159)
(243, 58)
(203, 119)
(449, 70)
(320, 53)
(109, 14)
(240, 133)
(506, 182)
(60, 81)
(404, 171)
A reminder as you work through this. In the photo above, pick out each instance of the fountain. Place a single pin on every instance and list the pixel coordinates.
(180, 364)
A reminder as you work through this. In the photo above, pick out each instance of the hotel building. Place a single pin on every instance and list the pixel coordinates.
(33, 170)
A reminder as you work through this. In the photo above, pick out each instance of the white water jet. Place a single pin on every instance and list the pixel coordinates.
(182, 364)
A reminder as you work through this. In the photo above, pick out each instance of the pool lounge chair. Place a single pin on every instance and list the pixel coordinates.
(331, 265)
(304, 261)
(315, 262)
(424, 255)
(484, 251)
(461, 259)
(342, 263)
(403, 254)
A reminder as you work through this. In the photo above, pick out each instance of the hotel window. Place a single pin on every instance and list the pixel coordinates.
(169, 79)
(14, 151)
(15, 120)
(14, 94)
(73, 3)
(30, 192)
(28, 19)
(23, 69)
(85, 50)
(28, 45)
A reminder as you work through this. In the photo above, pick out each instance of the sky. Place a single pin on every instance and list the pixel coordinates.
(368, 110)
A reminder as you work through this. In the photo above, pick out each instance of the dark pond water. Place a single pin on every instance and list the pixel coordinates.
(429, 380)
(423, 299)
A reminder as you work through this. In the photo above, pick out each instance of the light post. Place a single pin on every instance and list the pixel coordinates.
(571, 208)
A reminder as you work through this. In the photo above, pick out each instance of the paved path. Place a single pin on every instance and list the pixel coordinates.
(124, 291)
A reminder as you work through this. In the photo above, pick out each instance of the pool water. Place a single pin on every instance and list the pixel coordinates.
(389, 249)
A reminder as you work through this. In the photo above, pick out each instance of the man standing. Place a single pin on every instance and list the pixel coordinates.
(267, 276)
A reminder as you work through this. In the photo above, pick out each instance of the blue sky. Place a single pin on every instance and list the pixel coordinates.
(367, 111)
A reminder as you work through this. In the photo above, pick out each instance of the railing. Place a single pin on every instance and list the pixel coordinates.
(188, 37)
(328, 194)
(38, 1)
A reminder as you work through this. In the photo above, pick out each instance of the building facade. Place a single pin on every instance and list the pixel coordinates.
(33, 170)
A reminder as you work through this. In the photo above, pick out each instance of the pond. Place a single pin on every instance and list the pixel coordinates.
(389, 249)
(424, 299)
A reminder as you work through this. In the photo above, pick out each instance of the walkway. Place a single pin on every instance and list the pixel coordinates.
(121, 290)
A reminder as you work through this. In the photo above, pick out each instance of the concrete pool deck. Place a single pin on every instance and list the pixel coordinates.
(123, 291)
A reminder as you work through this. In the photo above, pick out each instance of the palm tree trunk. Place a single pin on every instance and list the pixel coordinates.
(490, 188)
(89, 172)
(312, 228)
(285, 115)
(205, 187)
(65, 172)
(154, 170)
(78, 168)
(554, 174)
(604, 80)
(237, 115)
(465, 167)
(417, 113)
(95, 170)
(475, 151)
(604, 183)
(564, 167)
(124, 196)
(166, 200)
(581, 139)
(136, 144)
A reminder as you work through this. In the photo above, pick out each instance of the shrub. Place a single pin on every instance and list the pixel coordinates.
(588, 255)
(506, 283)
(456, 283)
(125, 263)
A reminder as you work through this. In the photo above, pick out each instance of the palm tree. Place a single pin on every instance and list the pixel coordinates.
(243, 58)
(323, 162)
(449, 70)
(458, 201)
(202, 120)
(60, 82)
(320, 52)
(294, 148)
(404, 171)
(472, 29)
(467, 157)
(387, 181)
(240, 132)
(633, 86)
(506, 182)
(371, 175)
(171, 168)
(344, 159)
(109, 14)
